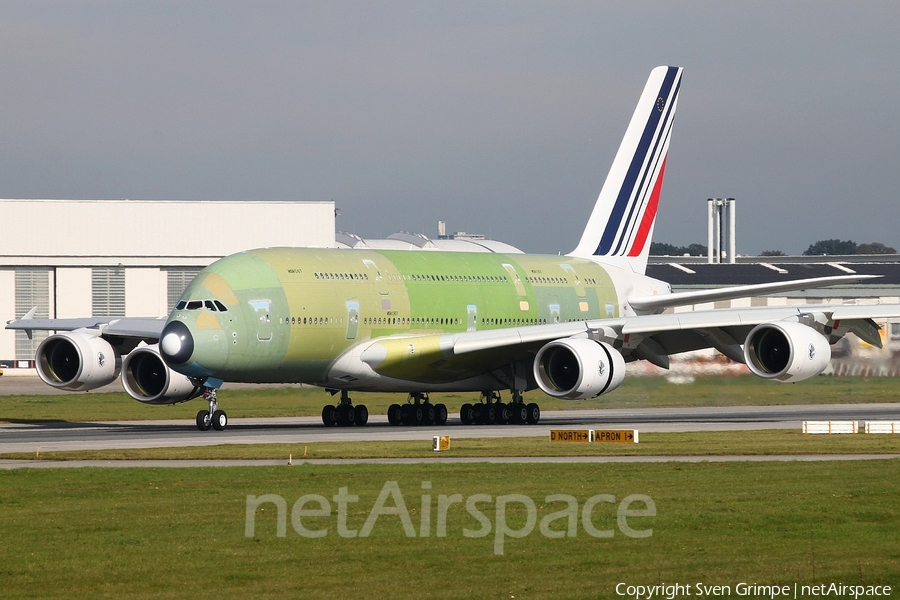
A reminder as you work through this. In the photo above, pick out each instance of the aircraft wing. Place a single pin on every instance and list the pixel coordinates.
(147, 329)
(651, 304)
(650, 337)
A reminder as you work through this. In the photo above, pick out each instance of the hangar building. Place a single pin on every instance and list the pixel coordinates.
(130, 258)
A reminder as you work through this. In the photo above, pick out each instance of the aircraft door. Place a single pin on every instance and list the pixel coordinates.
(554, 312)
(375, 273)
(352, 319)
(472, 322)
(516, 279)
(579, 285)
(263, 324)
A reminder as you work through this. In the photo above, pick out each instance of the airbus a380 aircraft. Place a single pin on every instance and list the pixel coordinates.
(426, 321)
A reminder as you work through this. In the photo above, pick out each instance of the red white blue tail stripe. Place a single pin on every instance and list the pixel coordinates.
(622, 222)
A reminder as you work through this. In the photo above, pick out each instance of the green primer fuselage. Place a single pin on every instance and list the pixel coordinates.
(292, 312)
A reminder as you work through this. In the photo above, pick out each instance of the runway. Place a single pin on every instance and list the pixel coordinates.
(56, 436)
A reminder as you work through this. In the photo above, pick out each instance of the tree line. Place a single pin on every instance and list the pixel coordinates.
(822, 247)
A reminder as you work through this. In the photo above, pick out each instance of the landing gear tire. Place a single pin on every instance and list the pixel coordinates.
(346, 415)
(519, 414)
(219, 420)
(478, 414)
(329, 415)
(362, 415)
(440, 414)
(467, 414)
(501, 414)
(533, 413)
(394, 414)
(203, 420)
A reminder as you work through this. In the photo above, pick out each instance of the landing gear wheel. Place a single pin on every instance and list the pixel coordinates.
(219, 420)
(440, 414)
(490, 415)
(501, 414)
(394, 414)
(467, 414)
(429, 414)
(406, 415)
(346, 415)
(329, 415)
(519, 414)
(478, 412)
(534, 413)
(203, 420)
(362, 415)
(505, 414)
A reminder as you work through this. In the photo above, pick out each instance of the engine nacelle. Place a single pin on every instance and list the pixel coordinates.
(149, 380)
(786, 351)
(576, 368)
(73, 360)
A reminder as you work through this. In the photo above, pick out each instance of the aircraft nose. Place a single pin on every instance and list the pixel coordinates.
(176, 344)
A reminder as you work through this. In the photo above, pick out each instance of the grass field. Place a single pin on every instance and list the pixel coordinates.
(766, 442)
(181, 533)
(635, 392)
(178, 533)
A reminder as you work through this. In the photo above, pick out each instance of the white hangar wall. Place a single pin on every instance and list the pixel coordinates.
(82, 258)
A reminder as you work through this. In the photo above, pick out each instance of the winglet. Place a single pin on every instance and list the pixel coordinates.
(621, 225)
(28, 316)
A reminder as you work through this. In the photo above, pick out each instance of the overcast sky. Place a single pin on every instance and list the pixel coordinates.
(501, 118)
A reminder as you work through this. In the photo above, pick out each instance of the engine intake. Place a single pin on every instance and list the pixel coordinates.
(149, 380)
(786, 351)
(577, 368)
(72, 360)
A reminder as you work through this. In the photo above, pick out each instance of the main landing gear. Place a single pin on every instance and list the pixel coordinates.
(345, 414)
(491, 410)
(212, 417)
(417, 411)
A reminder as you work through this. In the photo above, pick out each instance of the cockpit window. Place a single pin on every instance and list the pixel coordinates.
(213, 305)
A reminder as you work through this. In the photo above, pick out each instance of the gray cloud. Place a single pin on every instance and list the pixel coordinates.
(500, 118)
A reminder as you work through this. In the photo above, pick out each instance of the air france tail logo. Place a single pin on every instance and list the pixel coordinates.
(631, 219)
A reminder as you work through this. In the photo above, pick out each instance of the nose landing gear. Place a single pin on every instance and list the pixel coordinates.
(215, 418)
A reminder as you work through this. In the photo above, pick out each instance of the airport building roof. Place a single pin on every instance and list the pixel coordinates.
(418, 241)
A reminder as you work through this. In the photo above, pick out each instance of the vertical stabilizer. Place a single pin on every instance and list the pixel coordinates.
(621, 224)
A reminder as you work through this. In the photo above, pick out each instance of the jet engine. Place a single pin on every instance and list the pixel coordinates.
(73, 360)
(786, 351)
(577, 368)
(149, 380)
